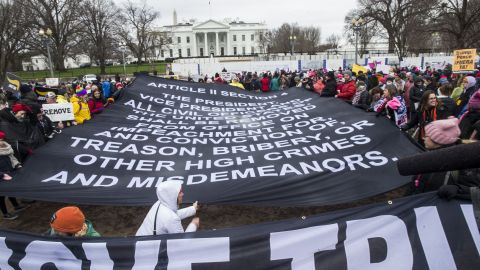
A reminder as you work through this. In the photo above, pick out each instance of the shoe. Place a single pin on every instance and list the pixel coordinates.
(10, 216)
(21, 207)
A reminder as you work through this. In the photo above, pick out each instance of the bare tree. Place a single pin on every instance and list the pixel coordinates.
(310, 39)
(137, 28)
(333, 42)
(61, 16)
(265, 39)
(12, 38)
(458, 21)
(98, 17)
(281, 38)
(367, 31)
(399, 18)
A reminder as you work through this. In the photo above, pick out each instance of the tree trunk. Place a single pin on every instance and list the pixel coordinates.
(391, 43)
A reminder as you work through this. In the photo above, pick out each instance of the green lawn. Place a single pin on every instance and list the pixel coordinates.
(40, 75)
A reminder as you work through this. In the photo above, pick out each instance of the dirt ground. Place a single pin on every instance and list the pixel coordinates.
(124, 221)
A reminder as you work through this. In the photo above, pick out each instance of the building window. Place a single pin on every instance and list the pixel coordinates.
(234, 50)
(244, 50)
(222, 51)
(253, 50)
(221, 38)
(179, 52)
(234, 37)
(171, 53)
(179, 39)
(252, 37)
(162, 53)
(201, 51)
(188, 52)
(188, 39)
(243, 37)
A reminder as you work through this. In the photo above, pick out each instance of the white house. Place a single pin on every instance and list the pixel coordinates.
(211, 38)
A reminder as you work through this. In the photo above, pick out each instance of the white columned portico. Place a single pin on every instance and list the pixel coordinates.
(205, 48)
(217, 45)
(227, 43)
(195, 52)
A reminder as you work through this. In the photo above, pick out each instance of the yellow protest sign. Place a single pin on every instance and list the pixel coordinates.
(356, 68)
(464, 60)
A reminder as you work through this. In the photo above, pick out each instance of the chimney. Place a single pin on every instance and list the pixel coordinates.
(175, 22)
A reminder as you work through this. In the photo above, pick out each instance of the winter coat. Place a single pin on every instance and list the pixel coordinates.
(46, 127)
(20, 135)
(363, 100)
(106, 86)
(347, 91)
(265, 84)
(318, 87)
(467, 123)
(96, 105)
(237, 84)
(81, 111)
(275, 84)
(330, 89)
(447, 108)
(463, 100)
(165, 211)
(7, 159)
(415, 96)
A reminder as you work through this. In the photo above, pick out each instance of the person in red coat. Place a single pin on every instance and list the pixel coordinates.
(265, 83)
(348, 88)
(96, 103)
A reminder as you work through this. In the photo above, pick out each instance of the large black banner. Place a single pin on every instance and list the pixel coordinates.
(227, 145)
(420, 232)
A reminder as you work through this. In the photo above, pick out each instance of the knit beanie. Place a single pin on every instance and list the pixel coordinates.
(443, 132)
(69, 219)
(474, 102)
(25, 88)
(81, 93)
(2, 135)
(20, 107)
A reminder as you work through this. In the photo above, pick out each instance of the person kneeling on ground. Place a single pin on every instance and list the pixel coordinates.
(164, 216)
(70, 221)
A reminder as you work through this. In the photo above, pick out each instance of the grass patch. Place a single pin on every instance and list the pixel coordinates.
(40, 75)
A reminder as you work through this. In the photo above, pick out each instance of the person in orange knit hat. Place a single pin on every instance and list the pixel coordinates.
(70, 221)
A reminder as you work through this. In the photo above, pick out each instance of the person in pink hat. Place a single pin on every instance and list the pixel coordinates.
(441, 134)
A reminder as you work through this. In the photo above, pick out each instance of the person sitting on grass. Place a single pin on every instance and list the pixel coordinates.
(70, 222)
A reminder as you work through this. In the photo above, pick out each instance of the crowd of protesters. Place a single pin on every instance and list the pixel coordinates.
(436, 107)
(24, 126)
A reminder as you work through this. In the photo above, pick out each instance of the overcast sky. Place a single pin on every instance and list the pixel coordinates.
(328, 15)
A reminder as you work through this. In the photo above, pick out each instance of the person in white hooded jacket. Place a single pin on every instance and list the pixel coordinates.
(164, 217)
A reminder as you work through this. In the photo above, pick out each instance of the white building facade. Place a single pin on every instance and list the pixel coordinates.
(211, 38)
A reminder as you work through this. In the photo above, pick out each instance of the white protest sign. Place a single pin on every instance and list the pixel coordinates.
(52, 81)
(59, 112)
(227, 76)
(385, 69)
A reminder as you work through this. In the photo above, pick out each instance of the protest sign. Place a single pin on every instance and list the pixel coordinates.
(52, 82)
(356, 68)
(59, 112)
(464, 60)
(12, 82)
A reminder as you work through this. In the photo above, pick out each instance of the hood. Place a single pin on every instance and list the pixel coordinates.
(167, 193)
(471, 82)
(7, 115)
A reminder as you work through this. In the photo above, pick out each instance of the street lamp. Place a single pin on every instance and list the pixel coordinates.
(292, 41)
(124, 47)
(45, 35)
(357, 24)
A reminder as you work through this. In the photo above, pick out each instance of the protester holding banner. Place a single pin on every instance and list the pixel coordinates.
(330, 89)
(236, 83)
(265, 83)
(470, 117)
(361, 98)
(415, 95)
(428, 111)
(96, 102)
(469, 86)
(348, 88)
(275, 83)
(70, 221)
(164, 216)
(80, 107)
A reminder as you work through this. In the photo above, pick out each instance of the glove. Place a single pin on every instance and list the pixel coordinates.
(447, 192)
(110, 100)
